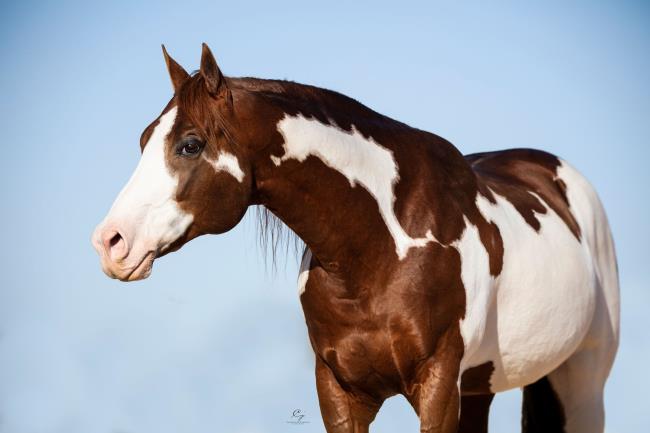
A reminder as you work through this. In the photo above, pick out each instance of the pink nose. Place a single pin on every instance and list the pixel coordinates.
(114, 245)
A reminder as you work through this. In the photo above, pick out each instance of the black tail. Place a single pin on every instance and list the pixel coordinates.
(542, 410)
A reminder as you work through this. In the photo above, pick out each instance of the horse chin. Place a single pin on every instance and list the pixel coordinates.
(137, 272)
(143, 270)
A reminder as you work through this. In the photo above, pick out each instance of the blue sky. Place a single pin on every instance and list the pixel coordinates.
(213, 341)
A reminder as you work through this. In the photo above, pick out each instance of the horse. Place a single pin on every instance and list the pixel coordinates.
(442, 277)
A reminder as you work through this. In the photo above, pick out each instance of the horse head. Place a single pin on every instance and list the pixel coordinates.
(193, 178)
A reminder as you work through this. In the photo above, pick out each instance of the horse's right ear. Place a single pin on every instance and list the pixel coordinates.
(212, 76)
(176, 71)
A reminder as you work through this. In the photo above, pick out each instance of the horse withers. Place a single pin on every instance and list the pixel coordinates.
(442, 277)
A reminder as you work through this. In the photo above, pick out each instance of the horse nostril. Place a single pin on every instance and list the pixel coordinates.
(114, 240)
(114, 245)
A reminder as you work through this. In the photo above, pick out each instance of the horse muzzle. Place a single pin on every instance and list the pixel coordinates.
(118, 259)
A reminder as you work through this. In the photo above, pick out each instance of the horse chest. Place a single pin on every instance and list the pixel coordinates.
(354, 347)
(355, 343)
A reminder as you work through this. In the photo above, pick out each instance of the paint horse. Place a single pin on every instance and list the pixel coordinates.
(442, 277)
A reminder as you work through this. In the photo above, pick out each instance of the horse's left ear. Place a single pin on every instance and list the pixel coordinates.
(214, 80)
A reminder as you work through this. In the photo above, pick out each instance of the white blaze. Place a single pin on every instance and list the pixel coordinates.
(146, 206)
(358, 158)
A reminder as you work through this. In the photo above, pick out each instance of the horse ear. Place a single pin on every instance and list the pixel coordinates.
(176, 71)
(210, 72)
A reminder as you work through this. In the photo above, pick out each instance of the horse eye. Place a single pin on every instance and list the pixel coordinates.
(190, 147)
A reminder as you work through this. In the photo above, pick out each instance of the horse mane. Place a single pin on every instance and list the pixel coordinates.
(327, 106)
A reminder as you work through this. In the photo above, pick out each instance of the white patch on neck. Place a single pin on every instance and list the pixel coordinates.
(303, 276)
(227, 162)
(358, 158)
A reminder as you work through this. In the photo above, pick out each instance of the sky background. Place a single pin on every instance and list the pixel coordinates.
(213, 342)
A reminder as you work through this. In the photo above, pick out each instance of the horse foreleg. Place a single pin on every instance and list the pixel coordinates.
(435, 396)
(342, 411)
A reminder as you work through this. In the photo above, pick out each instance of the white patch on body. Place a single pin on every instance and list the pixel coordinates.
(478, 283)
(227, 162)
(533, 316)
(303, 276)
(358, 158)
(147, 201)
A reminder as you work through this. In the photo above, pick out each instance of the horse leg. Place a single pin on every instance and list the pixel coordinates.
(474, 411)
(342, 411)
(435, 395)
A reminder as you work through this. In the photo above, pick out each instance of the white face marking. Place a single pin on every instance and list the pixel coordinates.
(303, 276)
(227, 162)
(358, 158)
(145, 208)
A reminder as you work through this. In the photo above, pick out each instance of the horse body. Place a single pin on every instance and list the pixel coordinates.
(440, 277)
(535, 317)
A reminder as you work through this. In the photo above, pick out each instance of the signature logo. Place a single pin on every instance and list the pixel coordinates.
(297, 417)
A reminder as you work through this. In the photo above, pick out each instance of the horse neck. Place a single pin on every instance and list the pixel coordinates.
(355, 198)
